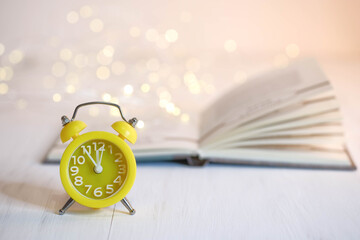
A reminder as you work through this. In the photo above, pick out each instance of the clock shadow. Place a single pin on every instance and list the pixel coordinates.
(51, 200)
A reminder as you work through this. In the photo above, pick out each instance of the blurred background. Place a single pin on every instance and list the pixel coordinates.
(172, 57)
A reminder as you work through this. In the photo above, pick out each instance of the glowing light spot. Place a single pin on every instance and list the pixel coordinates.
(185, 17)
(72, 17)
(70, 89)
(108, 51)
(209, 89)
(118, 68)
(171, 35)
(16, 56)
(128, 90)
(54, 41)
(189, 78)
(81, 61)
(58, 69)
(86, 11)
(163, 103)
(177, 111)
(153, 64)
(230, 45)
(102, 59)
(193, 64)
(145, 88)
(162, 43)
(170, 107)
(165, 95)
(49, 82)
(2, 49)
(94, 111)
(21, 103)
(114, 100)
(72, 79)
(292, 50)
(4, 88)
(6, 73)
(153, 77)
(174, 81)
(140, 124)
(240, 77)
(2, 73)
(106, 97)
(96, 25)
(134, 32)
(152, 35)
(281, 61)
(57, 97)
(65, 54)
(103, 73)
(192, 83)
(185, 117)
(114, 112)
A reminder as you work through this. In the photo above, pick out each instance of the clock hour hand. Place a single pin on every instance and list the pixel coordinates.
(102, 152)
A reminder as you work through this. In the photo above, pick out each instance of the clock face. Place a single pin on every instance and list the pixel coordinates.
(97, 169)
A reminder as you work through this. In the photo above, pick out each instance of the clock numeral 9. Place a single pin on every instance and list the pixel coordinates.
(118, 157)
(74, 170)
(80, 160)
(78, 181)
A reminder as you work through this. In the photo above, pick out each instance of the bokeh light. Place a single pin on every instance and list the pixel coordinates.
(96, 25)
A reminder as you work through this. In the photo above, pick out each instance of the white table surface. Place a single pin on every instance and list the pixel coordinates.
(175, 201)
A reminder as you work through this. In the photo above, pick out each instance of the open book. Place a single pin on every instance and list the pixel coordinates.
(287, 117)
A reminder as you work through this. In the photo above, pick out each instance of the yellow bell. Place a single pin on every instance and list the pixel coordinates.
(71, 130)
(125, 130)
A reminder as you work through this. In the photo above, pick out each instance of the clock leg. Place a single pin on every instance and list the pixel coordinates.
(128, 206)
(66, 206)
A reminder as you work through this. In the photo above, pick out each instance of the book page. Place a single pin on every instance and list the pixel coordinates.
(261, 95)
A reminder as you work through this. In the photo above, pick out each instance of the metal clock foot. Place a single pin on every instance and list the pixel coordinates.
(66, 206)
(128, 206)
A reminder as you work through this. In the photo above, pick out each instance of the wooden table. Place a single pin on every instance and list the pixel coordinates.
(175, 201)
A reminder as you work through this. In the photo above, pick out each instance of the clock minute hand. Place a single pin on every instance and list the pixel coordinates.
(87, 153)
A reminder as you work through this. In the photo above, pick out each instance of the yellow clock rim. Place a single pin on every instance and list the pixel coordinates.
(64, 169)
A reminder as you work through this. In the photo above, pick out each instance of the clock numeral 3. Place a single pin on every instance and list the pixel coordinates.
(122, 169)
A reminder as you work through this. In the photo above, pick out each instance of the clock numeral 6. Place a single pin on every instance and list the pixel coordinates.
(74, 170)
(98, 192)
(80, 160)
(78, 181)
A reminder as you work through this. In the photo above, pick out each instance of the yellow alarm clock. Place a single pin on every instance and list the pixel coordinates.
(98, 169)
